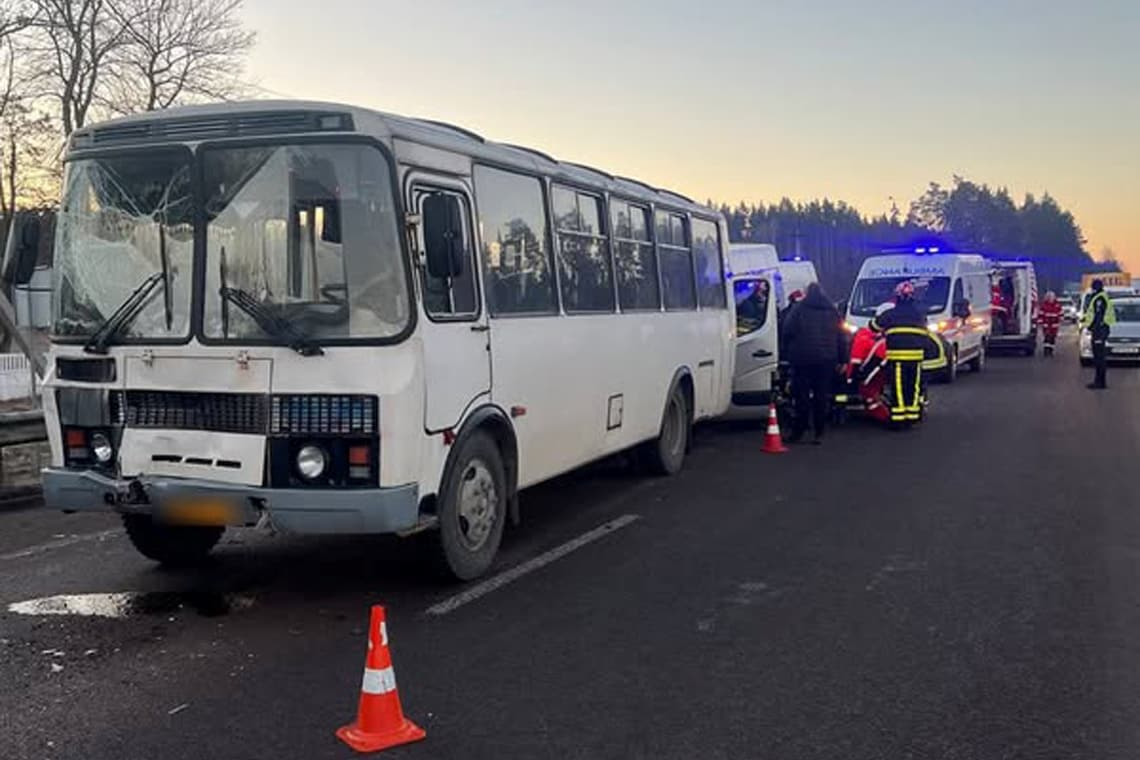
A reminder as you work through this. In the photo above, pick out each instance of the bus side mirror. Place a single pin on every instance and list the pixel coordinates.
(22, 250)
(443, 235)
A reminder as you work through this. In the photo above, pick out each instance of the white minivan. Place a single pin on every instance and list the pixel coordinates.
(758, 291)
(953, 289)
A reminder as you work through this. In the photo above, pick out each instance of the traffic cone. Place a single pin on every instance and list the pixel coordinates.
(773, 441)
(380, 721)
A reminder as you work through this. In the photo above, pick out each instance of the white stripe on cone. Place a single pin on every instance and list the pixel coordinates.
(378, 681)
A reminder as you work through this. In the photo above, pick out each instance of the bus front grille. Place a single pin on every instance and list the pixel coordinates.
(176, 410)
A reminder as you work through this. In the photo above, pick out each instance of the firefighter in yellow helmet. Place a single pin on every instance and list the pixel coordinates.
(911, 349)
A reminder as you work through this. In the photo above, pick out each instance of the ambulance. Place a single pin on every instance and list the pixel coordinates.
(952, 289)
(1014, 306)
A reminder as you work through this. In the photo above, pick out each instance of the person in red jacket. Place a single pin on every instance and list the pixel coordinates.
(868, 357)
(1049, 314)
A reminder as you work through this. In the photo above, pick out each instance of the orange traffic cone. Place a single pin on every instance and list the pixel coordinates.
(380, 721)
(773, 441)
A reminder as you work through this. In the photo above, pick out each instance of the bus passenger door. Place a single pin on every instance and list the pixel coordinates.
(757, 355)
(457, 363)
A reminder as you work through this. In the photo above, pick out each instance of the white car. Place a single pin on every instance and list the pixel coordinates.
(1069, 311)
(1124, 340)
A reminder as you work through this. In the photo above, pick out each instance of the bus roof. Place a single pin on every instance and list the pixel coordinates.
(276, 118)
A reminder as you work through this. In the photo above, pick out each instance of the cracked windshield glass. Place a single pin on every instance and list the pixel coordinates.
(309, 231)
(120, 217)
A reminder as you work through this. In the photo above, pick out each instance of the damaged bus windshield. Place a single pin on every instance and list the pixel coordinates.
(308, 232)
(123, 219)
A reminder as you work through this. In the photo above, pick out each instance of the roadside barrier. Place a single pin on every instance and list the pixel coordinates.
(380, 722)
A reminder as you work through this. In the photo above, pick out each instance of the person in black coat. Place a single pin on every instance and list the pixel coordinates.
(814, 344)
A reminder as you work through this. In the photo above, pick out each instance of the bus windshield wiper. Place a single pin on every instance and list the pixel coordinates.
(128, 310)
(272, 324)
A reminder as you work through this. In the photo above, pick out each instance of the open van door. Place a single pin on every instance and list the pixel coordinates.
(757, 334)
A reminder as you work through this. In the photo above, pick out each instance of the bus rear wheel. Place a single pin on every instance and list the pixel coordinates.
(472, 509)
(665, 454)
(171, 545)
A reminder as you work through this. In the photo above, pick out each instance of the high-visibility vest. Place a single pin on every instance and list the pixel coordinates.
(1109, 310)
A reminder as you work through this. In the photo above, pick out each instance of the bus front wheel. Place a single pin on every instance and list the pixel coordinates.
(665, 454)
(472, 509)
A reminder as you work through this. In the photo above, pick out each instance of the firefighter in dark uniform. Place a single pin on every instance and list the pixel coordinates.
(911, 349)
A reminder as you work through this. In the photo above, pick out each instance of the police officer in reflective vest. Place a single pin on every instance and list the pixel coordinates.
(911, 349)
(1098, 319)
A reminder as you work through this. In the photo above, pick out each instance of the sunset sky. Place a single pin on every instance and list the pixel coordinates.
(756, 99)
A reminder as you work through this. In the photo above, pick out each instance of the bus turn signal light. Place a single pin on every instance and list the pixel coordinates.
(358, 455)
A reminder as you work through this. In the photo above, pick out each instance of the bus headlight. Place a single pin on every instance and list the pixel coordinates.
(101, 448)
(311, 462)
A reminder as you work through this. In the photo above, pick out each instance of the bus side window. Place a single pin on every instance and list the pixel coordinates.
(518, 276)
(634, 260)
(450, 296)
(583, 252)
(710, 268)
(676, 262)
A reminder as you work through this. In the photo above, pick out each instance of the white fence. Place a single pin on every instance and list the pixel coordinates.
(16, 377)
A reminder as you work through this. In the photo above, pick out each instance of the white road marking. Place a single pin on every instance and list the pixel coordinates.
(62, 543)
(509, 576)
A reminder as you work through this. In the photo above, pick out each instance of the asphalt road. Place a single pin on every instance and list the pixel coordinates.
(964, 590)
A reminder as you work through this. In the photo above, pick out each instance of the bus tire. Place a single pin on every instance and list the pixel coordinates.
(665, 454)
(472, 508)
(171, 545)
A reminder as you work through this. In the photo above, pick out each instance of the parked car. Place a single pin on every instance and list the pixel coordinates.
(1069, 312)
(1124, 340)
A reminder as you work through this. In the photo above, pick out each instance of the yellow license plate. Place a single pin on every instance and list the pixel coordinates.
(201, 512)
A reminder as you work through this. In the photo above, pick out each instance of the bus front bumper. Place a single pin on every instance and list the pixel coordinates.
(294, 510)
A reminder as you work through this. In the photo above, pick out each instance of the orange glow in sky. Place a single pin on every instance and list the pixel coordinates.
(740, 100)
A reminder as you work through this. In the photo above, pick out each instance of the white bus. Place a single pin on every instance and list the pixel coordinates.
(334, 320)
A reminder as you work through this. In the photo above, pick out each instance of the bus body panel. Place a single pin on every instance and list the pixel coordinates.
(577, 394)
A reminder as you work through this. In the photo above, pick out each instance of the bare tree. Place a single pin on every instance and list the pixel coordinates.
(24, 133)
(77, 45)
(175, 51)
